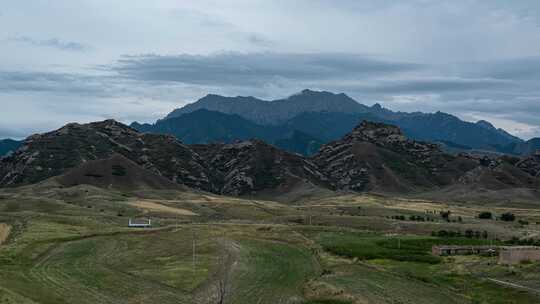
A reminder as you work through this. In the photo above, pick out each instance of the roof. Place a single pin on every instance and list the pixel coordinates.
(520, 248)
(464, 246)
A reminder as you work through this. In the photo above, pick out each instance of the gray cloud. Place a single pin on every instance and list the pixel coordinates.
(527, 68)
(475, 59)
(52, 43)
(253, 69)
(64, 83)
(258, 40)
(438, 85)
(6, 132)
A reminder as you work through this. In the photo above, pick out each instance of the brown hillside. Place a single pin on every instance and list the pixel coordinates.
(116, 172)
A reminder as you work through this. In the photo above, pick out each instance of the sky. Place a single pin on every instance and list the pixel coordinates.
(137, 60)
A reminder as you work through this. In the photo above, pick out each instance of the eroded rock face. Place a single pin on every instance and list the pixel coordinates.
(372, 157)
(51, 154)
(530, 164)
(251, 166)
(377, 156)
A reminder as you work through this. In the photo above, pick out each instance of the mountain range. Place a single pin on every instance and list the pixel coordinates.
(204, 126)
(304, 121)
(372, 157)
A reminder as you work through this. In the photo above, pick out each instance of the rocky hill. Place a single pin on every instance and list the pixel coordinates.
(252, 166)
(45, 155)
(379, 157)
(116, 172)
(374, 156)
(89, 154)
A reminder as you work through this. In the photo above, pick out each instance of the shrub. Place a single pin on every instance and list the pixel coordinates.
(445, 215)
(486, 215)
(508, 217)
(442, 233)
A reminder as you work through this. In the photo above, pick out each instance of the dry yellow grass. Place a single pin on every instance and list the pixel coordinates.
(4, 232)
(152, 206)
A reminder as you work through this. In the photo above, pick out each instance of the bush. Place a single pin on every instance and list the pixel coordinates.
(442, 233)
(446, 215)
(508, 217)
(486, 215)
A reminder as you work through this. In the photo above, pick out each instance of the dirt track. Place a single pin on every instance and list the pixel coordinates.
(152, 206)
(221, 281)
(513, 285)
(4, 232)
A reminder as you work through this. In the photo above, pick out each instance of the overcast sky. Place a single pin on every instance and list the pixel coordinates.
(87, 60)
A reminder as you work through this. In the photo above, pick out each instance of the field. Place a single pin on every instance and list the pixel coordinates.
(72, 245)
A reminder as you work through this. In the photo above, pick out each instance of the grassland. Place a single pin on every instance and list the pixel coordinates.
(72, 245)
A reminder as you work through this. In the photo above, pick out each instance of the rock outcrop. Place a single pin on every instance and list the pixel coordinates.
(45, 155)
(378, 157)
(251, 166)
(372, 157)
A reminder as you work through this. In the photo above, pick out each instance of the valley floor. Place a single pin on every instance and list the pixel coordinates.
(72, 245)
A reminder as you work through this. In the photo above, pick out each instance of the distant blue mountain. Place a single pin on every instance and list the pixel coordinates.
(529, 147)
(8, 145)
(203, 126)
(276, 111)
(323, 116)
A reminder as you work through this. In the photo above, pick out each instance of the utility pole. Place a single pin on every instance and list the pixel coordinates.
(193, 233)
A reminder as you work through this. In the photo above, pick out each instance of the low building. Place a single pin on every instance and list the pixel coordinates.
(447, 250)
(140, 223)
(519, 254)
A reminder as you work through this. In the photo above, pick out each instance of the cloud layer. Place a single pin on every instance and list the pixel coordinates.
(140, 59)
(52, 43)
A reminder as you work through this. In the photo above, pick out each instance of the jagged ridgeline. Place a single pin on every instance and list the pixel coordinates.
(303, 122)
(372, 157)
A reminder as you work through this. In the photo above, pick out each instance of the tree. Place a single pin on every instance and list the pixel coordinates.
(446, 215)
(486, 215)
(442, 233)
(508, 217)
